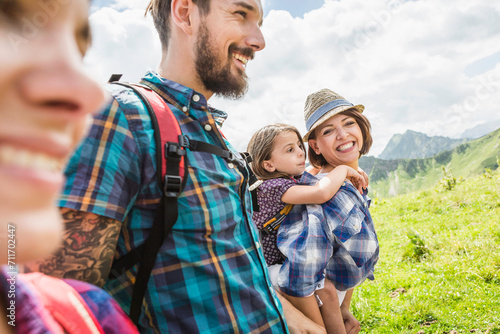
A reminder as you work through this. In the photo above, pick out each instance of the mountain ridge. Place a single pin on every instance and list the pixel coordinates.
(414, 145)
(399, 176)
(480, 130)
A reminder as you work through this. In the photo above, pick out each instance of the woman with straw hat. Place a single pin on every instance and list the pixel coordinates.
(335, 241)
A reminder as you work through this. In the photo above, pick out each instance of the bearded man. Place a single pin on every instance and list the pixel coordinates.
(209, 275)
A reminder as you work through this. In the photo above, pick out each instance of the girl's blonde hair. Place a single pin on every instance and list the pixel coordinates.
(261, 146)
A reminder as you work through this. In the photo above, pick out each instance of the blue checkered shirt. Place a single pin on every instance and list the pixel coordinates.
(336, 240)
(210, 275)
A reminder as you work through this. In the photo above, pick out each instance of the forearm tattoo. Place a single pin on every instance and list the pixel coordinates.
(87, 251)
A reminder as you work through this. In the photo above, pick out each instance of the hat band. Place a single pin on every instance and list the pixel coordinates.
(324, 109)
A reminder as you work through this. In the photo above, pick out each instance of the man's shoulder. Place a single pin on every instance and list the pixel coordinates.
(125, 99)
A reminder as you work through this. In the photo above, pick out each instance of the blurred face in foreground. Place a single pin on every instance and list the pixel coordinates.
(46, 102)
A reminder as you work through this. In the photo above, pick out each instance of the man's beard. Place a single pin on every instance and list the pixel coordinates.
(214, 74)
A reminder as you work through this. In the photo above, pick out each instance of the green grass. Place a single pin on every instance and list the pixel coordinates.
(439, 267)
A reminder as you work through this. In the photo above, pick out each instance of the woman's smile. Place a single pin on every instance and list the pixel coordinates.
(345, 147)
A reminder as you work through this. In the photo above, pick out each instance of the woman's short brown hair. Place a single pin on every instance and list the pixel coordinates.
(261, 146)
(318, 161)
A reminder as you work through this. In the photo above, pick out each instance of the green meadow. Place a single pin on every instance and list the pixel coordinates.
(439, 267)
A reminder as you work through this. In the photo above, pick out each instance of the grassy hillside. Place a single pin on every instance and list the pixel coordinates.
(395, 177)
(439, 268)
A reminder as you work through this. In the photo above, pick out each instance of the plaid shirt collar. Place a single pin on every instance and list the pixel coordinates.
(181, 96)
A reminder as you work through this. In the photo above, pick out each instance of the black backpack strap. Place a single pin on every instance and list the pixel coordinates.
(200, 146)
(252, 179)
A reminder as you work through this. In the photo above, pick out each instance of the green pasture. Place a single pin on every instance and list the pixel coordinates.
(439, 267)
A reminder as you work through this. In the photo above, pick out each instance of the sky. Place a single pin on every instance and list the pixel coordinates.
(421, 65)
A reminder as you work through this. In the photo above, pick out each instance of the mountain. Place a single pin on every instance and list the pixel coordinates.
(481, 129)
(400, 176)
(412, 145)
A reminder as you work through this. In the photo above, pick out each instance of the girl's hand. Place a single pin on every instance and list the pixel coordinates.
(362, 172)
(358, 179)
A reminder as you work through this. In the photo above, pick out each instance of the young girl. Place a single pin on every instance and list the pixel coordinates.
(278, 161)
(336, 240)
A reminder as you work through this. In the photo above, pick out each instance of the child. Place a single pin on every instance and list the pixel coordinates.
(46, 100)
(336, 240)
(278, 160)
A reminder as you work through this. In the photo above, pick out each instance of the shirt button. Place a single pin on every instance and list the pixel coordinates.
(230, 165)
(257, 244)
(344, 184)
(208, 127)
(184, 109)
(196, 98)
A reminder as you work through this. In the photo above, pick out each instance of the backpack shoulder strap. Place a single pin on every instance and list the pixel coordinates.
(253, 182)
(272, 225)
(66, 307)
(171, 144)
(171, 160)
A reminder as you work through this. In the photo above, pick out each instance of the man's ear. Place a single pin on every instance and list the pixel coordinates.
(182, 11)
(268, 166)
(312, 144)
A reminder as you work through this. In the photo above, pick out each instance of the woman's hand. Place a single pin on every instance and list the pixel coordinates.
(296, 321)
(351, 324)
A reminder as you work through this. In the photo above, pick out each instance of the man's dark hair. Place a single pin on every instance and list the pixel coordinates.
(160, 11)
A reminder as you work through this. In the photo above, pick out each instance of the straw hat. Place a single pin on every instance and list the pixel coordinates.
(322, 105)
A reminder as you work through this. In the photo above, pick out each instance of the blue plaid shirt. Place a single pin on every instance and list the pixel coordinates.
(210, 275)
(336, 240)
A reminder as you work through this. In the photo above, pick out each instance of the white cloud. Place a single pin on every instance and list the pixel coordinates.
(404, 60)
(124, 41)
(130, 4)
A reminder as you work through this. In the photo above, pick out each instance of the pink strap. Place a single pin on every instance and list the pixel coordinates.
(167, 123)
(64, 304)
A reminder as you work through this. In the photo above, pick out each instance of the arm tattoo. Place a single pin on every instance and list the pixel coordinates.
(88, 248)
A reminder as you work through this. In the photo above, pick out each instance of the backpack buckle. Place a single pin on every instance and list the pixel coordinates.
(231, 157)
(266, 230)
(184, 141)
(173, 149)
(234, 158)
(173, 186)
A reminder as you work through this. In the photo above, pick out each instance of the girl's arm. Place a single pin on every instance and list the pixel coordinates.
(324, 189)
